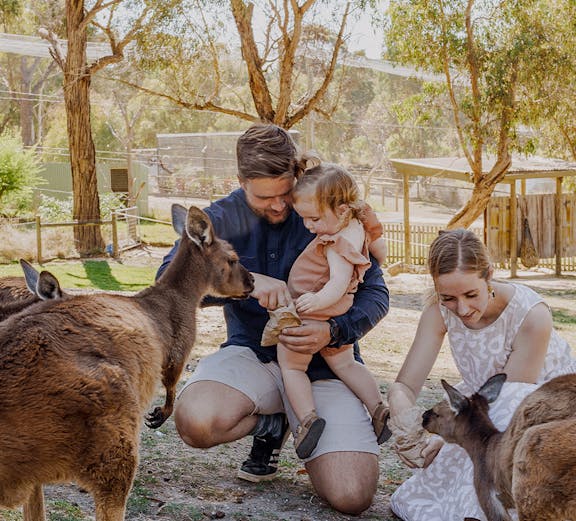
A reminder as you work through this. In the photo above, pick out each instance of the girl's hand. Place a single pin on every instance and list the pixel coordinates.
(307, 303)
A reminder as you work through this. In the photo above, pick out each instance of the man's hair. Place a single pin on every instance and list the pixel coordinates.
(266, 150)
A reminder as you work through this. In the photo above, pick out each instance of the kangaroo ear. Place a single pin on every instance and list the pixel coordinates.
(199, 227)
(179, 218)
(456, 399)
(48, 287)
(492, 387)
(30, 275)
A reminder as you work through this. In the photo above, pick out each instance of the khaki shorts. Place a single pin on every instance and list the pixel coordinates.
(348, 425)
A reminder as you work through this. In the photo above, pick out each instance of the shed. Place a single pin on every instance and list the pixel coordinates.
(520, 170)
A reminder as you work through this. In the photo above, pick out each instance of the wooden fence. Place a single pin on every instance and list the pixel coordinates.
(547, 222)
(422, 235)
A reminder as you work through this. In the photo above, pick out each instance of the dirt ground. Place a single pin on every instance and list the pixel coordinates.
(176, 482)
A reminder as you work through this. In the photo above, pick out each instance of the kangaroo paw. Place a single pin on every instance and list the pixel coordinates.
(156, 418)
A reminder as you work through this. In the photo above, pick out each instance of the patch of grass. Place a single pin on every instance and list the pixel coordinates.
(93, 274)
(64, 511)
(10, 515)
(561, 316)
(157, 234)
(139, 501)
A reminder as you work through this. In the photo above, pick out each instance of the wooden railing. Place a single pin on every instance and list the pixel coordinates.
(421, 235)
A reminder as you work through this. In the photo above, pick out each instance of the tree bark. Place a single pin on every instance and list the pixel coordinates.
(481, 194)
(77, 80)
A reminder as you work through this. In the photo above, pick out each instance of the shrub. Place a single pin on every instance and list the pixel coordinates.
(19, 169)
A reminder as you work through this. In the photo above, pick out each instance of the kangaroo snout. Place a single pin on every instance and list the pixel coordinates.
(427, 418)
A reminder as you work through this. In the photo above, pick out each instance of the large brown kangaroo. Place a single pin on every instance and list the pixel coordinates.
(17, 293)
(531, 466)
(77, 374)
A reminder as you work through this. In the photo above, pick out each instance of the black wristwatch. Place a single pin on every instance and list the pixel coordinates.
(334, 332)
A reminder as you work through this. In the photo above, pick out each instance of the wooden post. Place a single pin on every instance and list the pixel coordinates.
(513, 230)
(114, 236)
(558, 226)
(407, 246)
(38, 240)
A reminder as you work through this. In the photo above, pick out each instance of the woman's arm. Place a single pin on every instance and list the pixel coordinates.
(419, 360)
(530, 346)
(412, 443)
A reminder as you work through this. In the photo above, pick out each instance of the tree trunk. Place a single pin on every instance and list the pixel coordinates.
(477, 203)
(26, 104)
(484, 185)
(82, 152)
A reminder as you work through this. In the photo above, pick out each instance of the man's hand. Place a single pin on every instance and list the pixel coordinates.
(308, 338)
(270, 292)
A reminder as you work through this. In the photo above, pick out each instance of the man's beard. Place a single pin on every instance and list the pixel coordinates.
(273, 217)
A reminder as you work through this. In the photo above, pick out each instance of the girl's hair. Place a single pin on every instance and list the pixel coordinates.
(458, 249)
(333, 185)
(267, 150)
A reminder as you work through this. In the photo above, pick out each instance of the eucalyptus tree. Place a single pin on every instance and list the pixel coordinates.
(273, 40)
(551, 111)
(487, 51)
(118, 23)
(25, 79)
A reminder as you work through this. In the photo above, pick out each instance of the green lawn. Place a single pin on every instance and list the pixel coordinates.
(95, 274)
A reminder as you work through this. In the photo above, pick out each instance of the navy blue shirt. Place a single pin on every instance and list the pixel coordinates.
(271, 249)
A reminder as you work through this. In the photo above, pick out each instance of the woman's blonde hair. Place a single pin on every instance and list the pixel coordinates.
(458, 249)
(332, 185)
(452, 250)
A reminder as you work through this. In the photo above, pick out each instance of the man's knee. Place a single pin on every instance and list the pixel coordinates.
(196, 428)
(347, 481)
(350, 499)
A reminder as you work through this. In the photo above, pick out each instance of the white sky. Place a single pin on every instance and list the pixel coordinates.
(364, 36)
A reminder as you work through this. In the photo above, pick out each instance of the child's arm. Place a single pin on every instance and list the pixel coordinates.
(340, 275)
(379, 249)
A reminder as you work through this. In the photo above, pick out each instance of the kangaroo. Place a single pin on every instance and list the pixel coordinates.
(77, 374)
(531, 466)
(17, 293)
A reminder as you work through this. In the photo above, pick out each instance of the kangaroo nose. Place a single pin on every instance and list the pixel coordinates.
(426, 417)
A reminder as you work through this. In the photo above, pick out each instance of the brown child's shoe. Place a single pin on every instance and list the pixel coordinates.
(308, 434)
(380, 423)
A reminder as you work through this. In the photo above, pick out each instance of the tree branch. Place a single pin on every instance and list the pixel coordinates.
(258, 85)
(207, 106)
(321, 91)
(473, 67)
(450, 87)
(99, 6)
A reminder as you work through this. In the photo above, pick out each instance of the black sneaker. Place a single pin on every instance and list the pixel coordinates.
(262, 463)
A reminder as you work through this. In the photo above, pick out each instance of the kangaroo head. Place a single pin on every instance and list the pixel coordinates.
(454, 417)
(228, 278)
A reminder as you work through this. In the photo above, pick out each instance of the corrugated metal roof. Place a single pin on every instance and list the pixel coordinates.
(35, 46)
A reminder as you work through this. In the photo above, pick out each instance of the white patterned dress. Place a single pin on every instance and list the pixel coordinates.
(445, 491)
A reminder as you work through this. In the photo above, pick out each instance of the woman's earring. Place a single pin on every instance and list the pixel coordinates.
(491, 291)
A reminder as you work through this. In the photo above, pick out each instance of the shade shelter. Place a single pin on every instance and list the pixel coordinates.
(520, 171)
